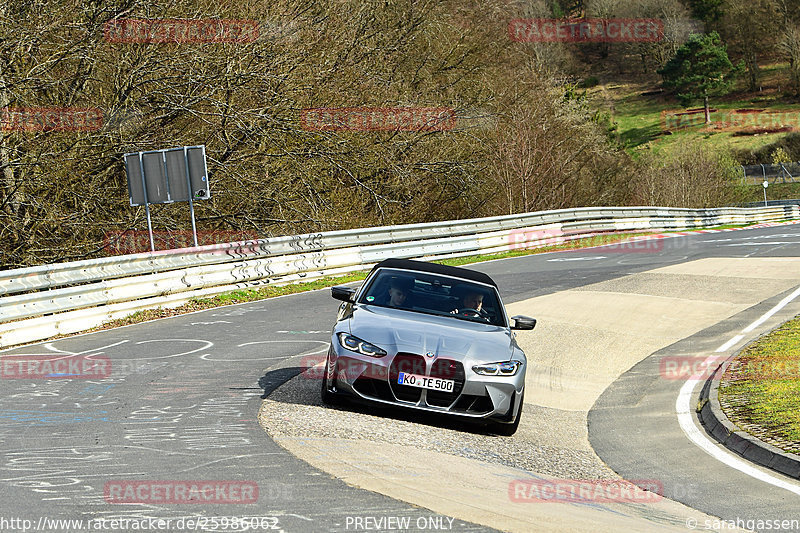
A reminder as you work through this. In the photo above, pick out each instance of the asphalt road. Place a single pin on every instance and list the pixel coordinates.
(181, 401)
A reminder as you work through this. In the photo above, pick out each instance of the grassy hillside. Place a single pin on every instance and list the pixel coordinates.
(742, 122)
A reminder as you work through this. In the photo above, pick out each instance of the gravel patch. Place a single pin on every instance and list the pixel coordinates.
(549, 441)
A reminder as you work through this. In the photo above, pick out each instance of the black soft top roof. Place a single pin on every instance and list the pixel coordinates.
(435, 268)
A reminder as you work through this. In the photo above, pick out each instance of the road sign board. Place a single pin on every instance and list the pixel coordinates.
(160, 176)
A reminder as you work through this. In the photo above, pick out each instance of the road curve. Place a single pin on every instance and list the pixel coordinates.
(184, 394)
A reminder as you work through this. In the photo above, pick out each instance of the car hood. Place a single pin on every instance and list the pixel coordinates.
(396, 330)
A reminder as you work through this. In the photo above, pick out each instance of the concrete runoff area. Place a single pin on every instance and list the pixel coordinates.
(584, 340)
(475, 491)
(588, 337)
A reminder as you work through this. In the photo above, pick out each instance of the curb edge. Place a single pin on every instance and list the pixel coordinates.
(717, 424)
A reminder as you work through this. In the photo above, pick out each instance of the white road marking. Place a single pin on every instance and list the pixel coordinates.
(772, 311)
(761, 243)
(325, 345)
(207, 345)
(730, 343)
(52, 348)
(579, 258)
(686, 419)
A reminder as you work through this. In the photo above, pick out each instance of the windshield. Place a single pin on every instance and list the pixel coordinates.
(434, 294)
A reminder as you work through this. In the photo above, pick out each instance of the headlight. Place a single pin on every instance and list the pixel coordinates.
(354, 344)
(506, 368)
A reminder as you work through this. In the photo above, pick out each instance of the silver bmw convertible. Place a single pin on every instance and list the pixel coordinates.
(428, 337)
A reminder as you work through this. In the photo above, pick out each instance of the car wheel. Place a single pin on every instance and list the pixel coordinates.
(328, 397)
(506, 429)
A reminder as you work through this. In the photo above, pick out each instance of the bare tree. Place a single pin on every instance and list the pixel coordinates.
(790, 48)
(690, 176)
(548, 154)
(749, 26)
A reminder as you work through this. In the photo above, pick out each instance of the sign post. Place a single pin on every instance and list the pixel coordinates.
(765, 184)
(146, 204)
(167, 176)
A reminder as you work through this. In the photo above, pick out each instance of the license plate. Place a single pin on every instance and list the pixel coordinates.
(425, 382)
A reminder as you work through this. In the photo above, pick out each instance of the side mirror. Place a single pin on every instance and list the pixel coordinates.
(344, 294)
(523, 322)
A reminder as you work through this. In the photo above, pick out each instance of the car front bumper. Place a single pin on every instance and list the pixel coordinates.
(375, 380)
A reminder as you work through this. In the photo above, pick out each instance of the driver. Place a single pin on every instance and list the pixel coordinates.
(471, 300)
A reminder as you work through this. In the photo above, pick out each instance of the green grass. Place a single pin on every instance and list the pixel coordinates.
(755, 193)
(642, 127)
(725, 226)
(761, 392)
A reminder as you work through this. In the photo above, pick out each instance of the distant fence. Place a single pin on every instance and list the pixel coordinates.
(770, 203)
(777, 173)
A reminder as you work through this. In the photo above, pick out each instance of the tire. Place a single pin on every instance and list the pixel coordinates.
(328, 397)
(506, 429)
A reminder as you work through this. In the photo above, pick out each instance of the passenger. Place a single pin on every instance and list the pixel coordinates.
(398, 291)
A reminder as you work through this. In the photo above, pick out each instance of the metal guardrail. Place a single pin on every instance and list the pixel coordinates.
(40, 302)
